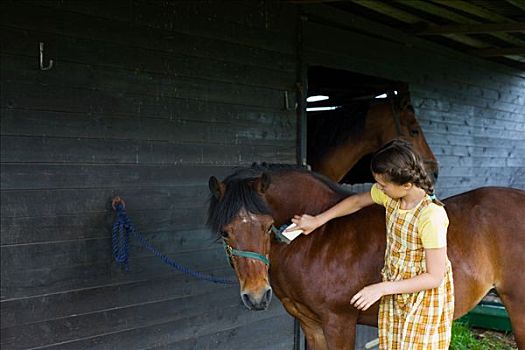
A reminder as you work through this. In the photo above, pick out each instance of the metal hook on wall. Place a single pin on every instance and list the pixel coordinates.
(286, 102)
(50, 65)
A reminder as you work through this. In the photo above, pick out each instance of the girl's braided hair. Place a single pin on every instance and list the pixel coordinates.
(401, 164)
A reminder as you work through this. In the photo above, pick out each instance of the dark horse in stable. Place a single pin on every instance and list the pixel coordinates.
(315, 276)
(341, 142)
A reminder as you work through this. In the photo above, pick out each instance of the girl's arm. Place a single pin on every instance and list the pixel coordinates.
(436, 263)
(349, 205)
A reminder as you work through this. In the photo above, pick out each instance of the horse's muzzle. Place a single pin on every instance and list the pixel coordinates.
(257, 302)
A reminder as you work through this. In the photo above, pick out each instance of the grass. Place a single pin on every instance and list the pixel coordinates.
(463, 338)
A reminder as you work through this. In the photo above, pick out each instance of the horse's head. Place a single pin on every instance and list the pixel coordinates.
(239, 214)
(397, 119)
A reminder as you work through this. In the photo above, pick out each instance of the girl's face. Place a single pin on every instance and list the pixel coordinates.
(391, 189)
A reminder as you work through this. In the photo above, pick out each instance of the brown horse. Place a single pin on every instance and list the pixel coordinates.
(338, 139)
(316, 275)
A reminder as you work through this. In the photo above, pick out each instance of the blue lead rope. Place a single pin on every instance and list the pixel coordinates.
(122, 230)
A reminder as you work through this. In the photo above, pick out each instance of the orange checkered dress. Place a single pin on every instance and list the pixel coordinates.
(414, 321)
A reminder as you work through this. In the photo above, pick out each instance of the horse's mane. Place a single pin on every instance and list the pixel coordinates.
(241, 195)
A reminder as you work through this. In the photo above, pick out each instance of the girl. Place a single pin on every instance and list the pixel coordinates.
(417, 297)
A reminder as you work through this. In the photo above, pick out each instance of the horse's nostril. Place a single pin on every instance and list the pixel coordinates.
(246, 300)
(436, 175)
(268, 296)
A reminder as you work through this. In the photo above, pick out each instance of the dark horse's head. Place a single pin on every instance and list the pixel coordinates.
(239, 214)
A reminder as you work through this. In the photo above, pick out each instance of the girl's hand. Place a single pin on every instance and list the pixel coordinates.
(367, 296)
(306, 222)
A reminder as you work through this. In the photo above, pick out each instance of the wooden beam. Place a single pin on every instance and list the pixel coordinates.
(351, 21)
(387, 10)
(516, 58)
(406, 17)
(450, 15)
(472, 28)
(475, 10)
(436, 10)
(517, 3)
(497, 52)
(300, 2)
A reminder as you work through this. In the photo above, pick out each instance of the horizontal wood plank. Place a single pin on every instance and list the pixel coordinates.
(429, 116)
(49, 20)
(268, 129)
(277, 334)
(99, 151)
(19, 282)
(80, 226)
(40, 308)
(171, 242)
(217, 302)
(24, 176)
(217, 319)
(38, 203)
(247, 23)
(65, 98)
(76, 67)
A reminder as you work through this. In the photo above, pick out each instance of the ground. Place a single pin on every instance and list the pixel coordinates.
(465, 338)
(496, 340)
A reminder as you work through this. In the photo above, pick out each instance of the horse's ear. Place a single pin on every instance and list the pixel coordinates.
(262, 183)
(216, 187)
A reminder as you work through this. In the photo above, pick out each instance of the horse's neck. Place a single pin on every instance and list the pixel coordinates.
(338, 161)
(295, 193)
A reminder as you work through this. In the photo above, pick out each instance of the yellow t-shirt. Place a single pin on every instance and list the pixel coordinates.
(432, 221)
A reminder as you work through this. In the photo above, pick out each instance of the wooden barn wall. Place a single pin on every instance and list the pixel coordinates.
(146, 99)
(472, 112)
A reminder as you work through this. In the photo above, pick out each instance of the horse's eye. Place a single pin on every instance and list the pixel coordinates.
(224, 234)
(414, 132)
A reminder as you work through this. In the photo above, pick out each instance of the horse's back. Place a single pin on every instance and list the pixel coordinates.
(498, 208)
(486, 241)
(488, 219)
(505, 194)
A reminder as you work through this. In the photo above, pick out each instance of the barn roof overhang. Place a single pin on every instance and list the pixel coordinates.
(491, 30)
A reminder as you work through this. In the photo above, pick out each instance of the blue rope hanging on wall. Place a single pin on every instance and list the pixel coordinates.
(123, 228)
